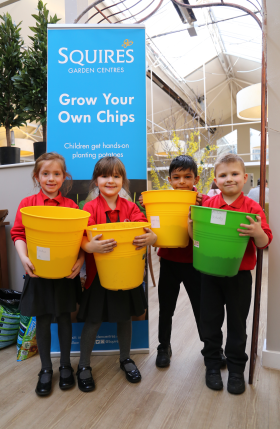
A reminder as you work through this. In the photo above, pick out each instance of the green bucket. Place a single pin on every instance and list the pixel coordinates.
(217, 247)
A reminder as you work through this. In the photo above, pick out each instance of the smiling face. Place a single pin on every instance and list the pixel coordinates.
(50, 178)
(230, 178)
(183, 179)
(109, 185)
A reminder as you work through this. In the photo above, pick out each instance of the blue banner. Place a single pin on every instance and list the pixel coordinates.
(97, 97)
(106, 339)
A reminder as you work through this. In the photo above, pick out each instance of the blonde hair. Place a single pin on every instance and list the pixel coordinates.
(52, 156)
(108, 166)
(226, 159)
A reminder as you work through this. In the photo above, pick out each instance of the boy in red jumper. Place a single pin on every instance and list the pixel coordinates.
(234, 292)
(176, 267)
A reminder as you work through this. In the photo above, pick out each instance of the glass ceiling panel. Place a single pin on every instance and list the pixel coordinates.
(185, 53)
(242, 35)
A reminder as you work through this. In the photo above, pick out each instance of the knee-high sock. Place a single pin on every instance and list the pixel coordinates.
(43, 335)
(65, 339)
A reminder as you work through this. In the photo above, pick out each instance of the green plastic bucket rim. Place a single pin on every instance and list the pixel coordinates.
(87, 214)
(91, 227)
(222, 210)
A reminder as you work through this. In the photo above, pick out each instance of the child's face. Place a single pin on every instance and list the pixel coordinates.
(230, 178)
(50, 178)
(109, 185)
(183, 179)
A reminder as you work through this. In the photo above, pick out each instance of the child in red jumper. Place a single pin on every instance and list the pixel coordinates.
(99, 304)
(45, 298)
(234, 292)
(176, 267)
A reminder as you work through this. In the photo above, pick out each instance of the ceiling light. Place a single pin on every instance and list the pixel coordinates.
(248, 102)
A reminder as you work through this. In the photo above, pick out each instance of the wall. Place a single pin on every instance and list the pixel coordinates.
(16, 184)
(271, 352)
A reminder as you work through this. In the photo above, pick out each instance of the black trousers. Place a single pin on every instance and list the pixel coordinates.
(170, 276)
(235, 293)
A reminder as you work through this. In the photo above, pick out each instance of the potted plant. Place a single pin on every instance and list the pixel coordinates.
(32, 80)
(11, 58)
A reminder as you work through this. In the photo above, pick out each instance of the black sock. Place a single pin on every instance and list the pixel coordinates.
(65, 339)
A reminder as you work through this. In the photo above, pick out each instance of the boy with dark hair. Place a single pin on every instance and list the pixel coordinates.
(176, 267)
(234, 292)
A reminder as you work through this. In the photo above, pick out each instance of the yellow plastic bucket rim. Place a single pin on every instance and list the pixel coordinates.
(91, 227)
(87, 214)
(167, 190)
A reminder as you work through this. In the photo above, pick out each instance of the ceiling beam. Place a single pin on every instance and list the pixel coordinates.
(7, 3)
(182, 103)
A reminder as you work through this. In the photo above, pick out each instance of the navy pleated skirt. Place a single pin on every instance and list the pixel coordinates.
(102, 305)
(49, 296)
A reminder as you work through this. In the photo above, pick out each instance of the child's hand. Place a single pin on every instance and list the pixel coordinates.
(78, 265)
(144, 240)
(141, 200)
(198, 199)
(98, 246)
(255, 231)
(27, 265)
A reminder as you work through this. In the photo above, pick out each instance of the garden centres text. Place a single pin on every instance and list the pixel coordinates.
(102, 115)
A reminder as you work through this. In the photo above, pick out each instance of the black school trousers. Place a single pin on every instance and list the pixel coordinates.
(235, 293)
(171, 275)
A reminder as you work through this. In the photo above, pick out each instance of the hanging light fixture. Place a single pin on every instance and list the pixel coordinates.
(248, 103)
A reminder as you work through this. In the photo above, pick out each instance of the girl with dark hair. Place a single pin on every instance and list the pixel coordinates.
(46, 298)
(98, 304)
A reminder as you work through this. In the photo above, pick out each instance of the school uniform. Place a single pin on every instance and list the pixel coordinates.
(176, 267)
(99, 304)
(45, 296)
(234, 292)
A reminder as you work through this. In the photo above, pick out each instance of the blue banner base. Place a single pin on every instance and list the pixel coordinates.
(106, 340)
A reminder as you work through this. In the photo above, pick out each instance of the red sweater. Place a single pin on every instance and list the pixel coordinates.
(125, 210)
(247, 205)
(180, 254)
(40, 199)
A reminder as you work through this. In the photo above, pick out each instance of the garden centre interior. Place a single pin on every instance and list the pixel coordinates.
(197, 63)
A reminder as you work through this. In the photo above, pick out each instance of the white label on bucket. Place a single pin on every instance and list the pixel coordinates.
(196, 243)
(155, 223)
(43, 253)
(218, 217)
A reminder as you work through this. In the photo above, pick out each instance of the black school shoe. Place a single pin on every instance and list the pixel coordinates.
(236, 383)
(163, 356)
(213, 379)
(44, 389)
(67, 382)
(132, 376)
(86, 384)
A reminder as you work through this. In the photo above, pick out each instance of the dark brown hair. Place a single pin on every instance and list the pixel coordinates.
(52, 156)
(226, 159)
(108, 166)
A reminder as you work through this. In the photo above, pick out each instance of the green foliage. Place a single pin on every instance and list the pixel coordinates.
(32, 80)
(11, 57)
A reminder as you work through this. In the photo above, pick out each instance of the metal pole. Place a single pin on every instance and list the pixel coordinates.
(256, 315)
(205, 106)
(231, 106)
(152, 102)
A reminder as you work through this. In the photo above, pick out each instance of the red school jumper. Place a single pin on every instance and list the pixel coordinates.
(40, 199)
(125, 211)
(180, 254)
(246, 205)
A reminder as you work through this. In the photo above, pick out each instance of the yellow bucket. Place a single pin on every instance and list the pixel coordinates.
(168, 210)
(54, 236)
(123, 268)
